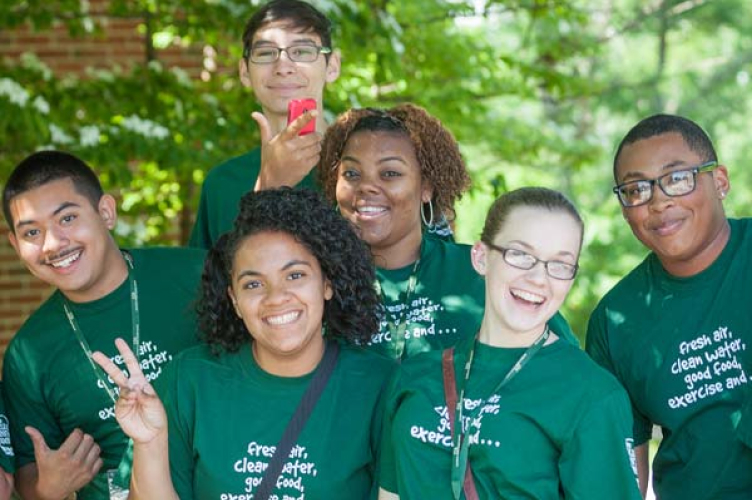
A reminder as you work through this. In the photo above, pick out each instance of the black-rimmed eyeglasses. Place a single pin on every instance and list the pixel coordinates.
(296, 53)
(676, 183)
(522, 260)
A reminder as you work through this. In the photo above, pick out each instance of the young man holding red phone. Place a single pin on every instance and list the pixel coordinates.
(287, 55)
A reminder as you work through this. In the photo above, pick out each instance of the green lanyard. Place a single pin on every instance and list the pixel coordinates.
(397, 329)
(135, 327)
(461, 439)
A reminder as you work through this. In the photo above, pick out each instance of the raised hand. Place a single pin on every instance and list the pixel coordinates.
(138, 410)
(65, 470)
(286, 158)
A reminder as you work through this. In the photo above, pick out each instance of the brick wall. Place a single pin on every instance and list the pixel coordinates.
(119, 43)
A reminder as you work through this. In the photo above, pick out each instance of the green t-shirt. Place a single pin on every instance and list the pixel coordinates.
(48, 382)
(226, 415)
(446, 305)
(223, 187)
(6, 448)
(679, 345)
(559, 429)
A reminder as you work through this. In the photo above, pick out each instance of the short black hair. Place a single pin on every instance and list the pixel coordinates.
(298, 15)
(42, 167)
(694, 136)
(352, 314)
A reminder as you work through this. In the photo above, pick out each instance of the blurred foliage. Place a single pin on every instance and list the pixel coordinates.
(536, 91)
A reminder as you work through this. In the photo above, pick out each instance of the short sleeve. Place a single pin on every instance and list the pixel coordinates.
(387, 460)
(598, 460)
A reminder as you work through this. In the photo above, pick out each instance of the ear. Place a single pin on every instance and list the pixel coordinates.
(721, 180)
(234, 301)
(245, 77)
(13, 240)
(478, 256)
(333, 66)
(426, 192)
(107, 209)
(328, 290)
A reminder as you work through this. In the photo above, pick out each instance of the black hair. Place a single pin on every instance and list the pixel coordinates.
(299, 16)
(694, 136)
(352, 312)
(43, 167)
(536, 197)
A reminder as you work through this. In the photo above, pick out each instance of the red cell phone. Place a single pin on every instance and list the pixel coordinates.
(297, 107)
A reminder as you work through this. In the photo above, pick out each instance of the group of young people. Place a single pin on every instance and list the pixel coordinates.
(325, 337)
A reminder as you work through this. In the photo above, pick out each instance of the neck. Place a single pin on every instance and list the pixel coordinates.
(114, 274)
(499, 336)
(700, 262)
(400, 254)
(295, 365)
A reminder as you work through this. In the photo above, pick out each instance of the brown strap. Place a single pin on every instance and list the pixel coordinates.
(450, 394)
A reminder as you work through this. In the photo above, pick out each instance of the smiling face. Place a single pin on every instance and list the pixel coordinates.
(277, 83)
(65, 241)
(519, 302)
(380, 190)
(278, 290)
(686, 232)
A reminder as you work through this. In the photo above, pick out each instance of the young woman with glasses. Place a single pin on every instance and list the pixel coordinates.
(512, 411)
(393, 174)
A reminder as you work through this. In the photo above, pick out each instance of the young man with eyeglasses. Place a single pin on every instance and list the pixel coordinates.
(287, 54)
(60, 405)
(675, 330)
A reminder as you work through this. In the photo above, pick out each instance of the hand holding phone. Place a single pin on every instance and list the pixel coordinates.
(297, 107)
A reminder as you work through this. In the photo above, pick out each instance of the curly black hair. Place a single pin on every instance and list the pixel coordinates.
(352, 312)
(441, 163)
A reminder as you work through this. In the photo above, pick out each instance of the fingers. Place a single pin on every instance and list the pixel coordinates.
(294, 128)
(111, 369)
(37, 440)
(130, 359)
(264, 128)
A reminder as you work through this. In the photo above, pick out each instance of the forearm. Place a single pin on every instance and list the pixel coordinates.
(151, 479)
(643, 467)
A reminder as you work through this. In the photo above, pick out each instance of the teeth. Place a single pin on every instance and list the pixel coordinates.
(66, 261)
(283, 319)
(527, 296)
(371, 210)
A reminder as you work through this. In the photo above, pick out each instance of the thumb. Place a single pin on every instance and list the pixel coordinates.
(40, 445)
(264, 127)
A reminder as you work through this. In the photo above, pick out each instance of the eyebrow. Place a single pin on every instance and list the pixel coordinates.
(562, 253)
(667, 166)
(288, 265)
(296, 41)
(63, 206)
(380, 160)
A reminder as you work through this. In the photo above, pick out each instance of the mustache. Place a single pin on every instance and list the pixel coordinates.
(60, 255)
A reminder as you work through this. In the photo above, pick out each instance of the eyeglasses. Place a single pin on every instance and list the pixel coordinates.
(676, 183)
(296, 53)
(522, 260)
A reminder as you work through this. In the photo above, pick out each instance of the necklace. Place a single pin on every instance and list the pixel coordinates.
(135, 329)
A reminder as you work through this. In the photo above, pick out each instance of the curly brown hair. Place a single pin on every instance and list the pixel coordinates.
(441, 164)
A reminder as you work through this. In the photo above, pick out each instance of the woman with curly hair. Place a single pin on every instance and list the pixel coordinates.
(512, 411)
(286, 296)
(388, 171)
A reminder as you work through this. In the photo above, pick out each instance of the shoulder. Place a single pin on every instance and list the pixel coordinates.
(636, 281)
(360, 362)
(236, 167)
(40, 325)
(161, 256)
(583, 371)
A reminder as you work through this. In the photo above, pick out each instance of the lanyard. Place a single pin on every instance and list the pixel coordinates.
(135, 327)
(461, 438)
(397, 329)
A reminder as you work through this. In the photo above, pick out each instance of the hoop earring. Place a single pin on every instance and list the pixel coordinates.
(428, 223)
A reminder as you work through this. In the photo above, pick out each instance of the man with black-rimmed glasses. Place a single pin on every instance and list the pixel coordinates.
(287, 54)
(675, 330)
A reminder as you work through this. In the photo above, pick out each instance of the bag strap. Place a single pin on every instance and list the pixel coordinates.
(297, 422)
(450, 394)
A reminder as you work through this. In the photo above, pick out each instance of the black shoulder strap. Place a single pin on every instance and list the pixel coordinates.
(297, 422)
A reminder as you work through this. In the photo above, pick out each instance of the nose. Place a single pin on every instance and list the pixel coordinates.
(538, 273)
(368, 183)
(660, 200)
(276, 294)
(284, 65)
(55, 239)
